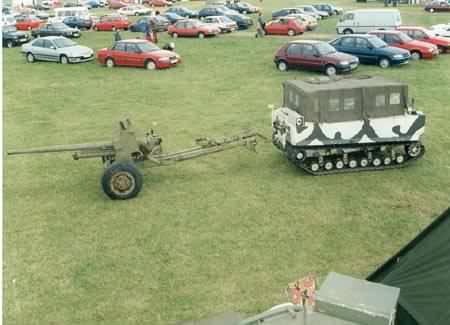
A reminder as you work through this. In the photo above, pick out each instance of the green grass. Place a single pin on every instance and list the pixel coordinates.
(224, 232)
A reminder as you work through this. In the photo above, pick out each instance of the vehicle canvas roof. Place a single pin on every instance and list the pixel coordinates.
(326, 84)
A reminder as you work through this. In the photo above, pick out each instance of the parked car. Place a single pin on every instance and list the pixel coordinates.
(243, 7)
(137, 53)
(8, 20)
(438, 6)
(311, 10)
(58, 49)
(286, 12)
(12, 37)
(211, 11)
(27, 22)
(309, 21)
(135, 10)
(56, 29)
(183, 11)
(242, 21)
(314, 55)
(424, 35)
(441, 30)
(117, 4)
(372, 50)
(78, 22)
(365, 20)
(158, 3)
(225, 24)
(192, 28)
(329, 8)
(141, 24)
(418, 49)
(172, 17)
(42, 15)
(92, 4)
(111, 23)
(290, 26)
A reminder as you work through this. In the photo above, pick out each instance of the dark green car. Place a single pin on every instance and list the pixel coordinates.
(12, 37)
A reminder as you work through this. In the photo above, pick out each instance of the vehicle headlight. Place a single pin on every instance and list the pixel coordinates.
(431, 49)
(344, 63)
(398, 56)
(164, 59)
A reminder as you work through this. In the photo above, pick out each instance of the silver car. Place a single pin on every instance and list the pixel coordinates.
(58, 49)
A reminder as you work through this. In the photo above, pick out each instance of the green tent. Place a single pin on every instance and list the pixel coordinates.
(422, 272)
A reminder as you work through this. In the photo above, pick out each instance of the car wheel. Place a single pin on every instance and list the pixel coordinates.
(136, 14)
(174, 35)
(9, 44)
(201, 35)
(30, 58)
(416, 55)
(348, 31)
(330, 70)
(384, 63)
(431, 10)
(114, 28)
(29, 27)
(95, 28)
(441, 49)
(150, 65)
(282, 66)
(244, 12)
(63, 59)
(291, 32)
(110, 63)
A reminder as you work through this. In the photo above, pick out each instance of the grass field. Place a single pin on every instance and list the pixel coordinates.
(224, 232)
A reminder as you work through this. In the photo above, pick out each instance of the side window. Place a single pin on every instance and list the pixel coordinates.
(294, 50)
(39, 43)
(361, 43)
(380, 100)
(419, 34)
(348, 17)
(348, 42)
(390, 39)
(48, 44)
(394, 99)
(119, 47)
(308, 50)
(333, 105)
(131, 48)
(349, 104)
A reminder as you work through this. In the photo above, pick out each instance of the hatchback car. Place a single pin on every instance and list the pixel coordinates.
(311, 10)
(425, 35)
(27, 22)
(309, 21)
(418, 49)
(111, 23)
(12, 37)
(438, 6)
(370, 49)
(441, 30)
(192, 28)
(286, 12)
(314, 55)
(56, 29)
(58, 49)
(137, 53)
(290, 26)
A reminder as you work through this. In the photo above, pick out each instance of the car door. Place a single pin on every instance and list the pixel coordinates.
(294, 55)
(119, 53)
(189, 28)
(49, 52)
(346, 45)
(38, 49)
(310, 58)
(394, 40)
(364, 50)
(133, 56)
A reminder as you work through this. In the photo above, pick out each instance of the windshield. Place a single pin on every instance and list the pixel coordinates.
(63, 42)
(376, 42)
(405, 38)
(226, 19)
(325, 48)
(147, 47)
(59, 25)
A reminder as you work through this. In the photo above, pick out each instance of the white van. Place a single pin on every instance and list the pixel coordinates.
(61, 13)
(365, 20)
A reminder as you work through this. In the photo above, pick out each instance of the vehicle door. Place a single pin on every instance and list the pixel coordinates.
(394, 40)
(108, 23)
(38, 49)
(419, 35)
(133, 57)
(347, 45)
(364, 50)
(119, 53)
(190, 29)
(49, 51)
(294, 54)
(50, 30)
(310, 58)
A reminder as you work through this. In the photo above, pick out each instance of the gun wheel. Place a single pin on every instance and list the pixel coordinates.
(122, 181)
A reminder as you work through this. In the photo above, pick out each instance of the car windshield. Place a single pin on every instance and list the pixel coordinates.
(376, 42)
(405, 38)
(59, 25)
(225, 19)
(325, 48)
(147, 47)
(63, 42)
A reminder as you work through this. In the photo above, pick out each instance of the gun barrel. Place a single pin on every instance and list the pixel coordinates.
(64, 148)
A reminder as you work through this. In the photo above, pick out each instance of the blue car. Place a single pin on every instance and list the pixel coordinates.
(161, 23)
(172, 17)
(370, 49)
(183, 11)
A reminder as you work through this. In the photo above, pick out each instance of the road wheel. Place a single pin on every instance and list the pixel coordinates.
(114, 28)
(63, 59)
(122, 181)
(174, 35)
(282, 66)
(441, 49)
(330, 70)
(315, 166)
(353, 163)
(400, 159)
(150, 65)
(30, 58)
(387, 160)
(328, 165)
(110, 63)
(339, 164)
(416, 55)
(384, 63)
(376, 162)
(348, 31)
(414, 150)
(291, 32)
(201, 35)
(9, 44)
(363, 162)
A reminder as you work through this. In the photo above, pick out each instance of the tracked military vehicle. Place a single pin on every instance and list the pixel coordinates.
(328, 126)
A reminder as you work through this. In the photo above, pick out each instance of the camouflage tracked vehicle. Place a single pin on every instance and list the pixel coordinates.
(328, 126)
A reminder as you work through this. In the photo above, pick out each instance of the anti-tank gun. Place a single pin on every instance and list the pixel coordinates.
(125, 155)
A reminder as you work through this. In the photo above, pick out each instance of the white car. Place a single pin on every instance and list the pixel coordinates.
(135, 10)
(441, 30)
(8, 20)
(225, 24)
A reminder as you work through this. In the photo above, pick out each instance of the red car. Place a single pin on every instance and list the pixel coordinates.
(113, 22)
(158, 3)
(192, 27)
(137, 53)
(418, 49)
(290, 26)
(438, 6)
(424, 35)
(27, 22)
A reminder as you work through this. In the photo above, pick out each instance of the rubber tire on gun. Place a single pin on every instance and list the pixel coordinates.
(122, 181)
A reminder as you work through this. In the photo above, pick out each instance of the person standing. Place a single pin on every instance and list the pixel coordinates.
(149, 32)
(153, 28)
(117, 36)
(261, 28)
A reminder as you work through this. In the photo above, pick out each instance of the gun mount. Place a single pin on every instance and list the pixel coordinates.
(122, 156)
